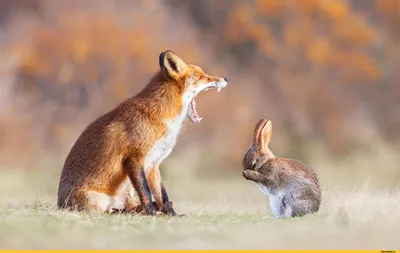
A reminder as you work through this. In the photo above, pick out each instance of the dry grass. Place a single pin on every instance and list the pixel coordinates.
(219, 214)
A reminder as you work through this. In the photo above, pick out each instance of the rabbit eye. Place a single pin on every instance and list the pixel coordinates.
(253, 165)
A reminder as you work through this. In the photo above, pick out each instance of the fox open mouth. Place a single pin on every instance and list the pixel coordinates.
(192, 113)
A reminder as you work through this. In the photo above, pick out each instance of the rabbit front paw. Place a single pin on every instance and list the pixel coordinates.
(251, 175)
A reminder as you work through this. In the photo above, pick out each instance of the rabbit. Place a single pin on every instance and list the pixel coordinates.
(292, 186)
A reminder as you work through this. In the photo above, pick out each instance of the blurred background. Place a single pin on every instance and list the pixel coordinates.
(324, 72)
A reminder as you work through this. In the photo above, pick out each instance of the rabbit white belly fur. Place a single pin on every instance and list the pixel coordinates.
(275, 201)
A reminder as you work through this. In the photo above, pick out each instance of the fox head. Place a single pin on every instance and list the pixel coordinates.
(191, 78)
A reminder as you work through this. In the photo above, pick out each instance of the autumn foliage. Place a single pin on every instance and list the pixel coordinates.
(324, 71)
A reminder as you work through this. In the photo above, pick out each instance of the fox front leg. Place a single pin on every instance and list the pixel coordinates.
(139, 181)
(163, 204)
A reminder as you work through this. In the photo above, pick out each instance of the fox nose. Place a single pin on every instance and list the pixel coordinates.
(226, 79)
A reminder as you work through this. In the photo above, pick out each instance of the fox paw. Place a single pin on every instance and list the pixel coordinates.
(168, 210)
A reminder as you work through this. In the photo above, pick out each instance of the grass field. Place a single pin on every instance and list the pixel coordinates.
(219, 215)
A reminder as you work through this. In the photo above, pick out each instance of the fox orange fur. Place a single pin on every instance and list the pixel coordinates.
(120, 153)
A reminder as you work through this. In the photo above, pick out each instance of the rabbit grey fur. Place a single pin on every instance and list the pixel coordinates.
(292, 186)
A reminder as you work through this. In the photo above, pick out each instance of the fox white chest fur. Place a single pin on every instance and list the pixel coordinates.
(164, 146)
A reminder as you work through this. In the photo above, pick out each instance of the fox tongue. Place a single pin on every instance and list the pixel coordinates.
(196, 116)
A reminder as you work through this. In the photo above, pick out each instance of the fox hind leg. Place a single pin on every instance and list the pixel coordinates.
(95, 201)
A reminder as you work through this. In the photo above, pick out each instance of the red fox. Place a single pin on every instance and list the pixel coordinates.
(121, 152)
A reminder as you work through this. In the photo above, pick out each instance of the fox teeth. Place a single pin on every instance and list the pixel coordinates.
(218, 89)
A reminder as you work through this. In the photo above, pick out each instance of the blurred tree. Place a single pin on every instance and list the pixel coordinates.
(309, 55)
(323, 70)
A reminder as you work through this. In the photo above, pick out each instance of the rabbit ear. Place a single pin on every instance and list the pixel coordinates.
(266, 133)
(258, 136)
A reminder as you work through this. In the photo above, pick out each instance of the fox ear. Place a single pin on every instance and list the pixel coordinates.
(262, 133)
(172, 66)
